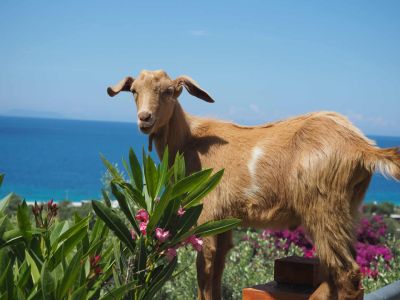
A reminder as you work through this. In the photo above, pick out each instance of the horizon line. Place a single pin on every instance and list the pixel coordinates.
(134, 122)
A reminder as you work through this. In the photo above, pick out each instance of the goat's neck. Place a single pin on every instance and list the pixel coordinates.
(175, 134)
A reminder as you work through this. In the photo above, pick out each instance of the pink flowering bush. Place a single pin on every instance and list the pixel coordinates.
(158, 210)
(370, 245)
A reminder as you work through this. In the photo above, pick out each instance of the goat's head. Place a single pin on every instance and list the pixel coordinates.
(155, 96)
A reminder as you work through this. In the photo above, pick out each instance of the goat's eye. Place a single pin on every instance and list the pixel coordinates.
(169, 91)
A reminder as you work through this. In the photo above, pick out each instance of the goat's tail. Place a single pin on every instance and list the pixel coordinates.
(385, 161)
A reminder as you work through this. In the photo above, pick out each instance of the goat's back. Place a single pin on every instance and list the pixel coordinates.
(277, 167)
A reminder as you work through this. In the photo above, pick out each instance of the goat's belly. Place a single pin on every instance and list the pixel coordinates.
(271, 218)
(254, 213)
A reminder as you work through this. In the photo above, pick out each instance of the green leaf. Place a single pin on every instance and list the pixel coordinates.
(151, 176)
(70, 275)
(47, 283)
(77, 227)
(187, 221)
(216, 227)
(34, 269)
(5, 201)
(97, 229)
(133, 195)
(203, 189)
(106, 199)
(113, 222)
(6, 280)
(160, 209)
(128, 170)
(160, 279)
(120, 292)
(11, 237)
(141, 265)
(24, 275)
(23, 218)
(113, 171)
(170, 212)
(190, 183)
(58, 229)
(1, 179)
(79, 294)
(66, 247)
(124, 206)
(12, 241)
(163, 172)
(136, 170)
(95, 247)
(179, 167)
(3, 225)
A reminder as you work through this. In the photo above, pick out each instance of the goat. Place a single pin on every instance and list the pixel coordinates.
(311, 170)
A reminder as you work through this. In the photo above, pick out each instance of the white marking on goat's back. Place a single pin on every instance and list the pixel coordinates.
(256, 154)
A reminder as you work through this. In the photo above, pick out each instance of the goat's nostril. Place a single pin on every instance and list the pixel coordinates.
(144, 116)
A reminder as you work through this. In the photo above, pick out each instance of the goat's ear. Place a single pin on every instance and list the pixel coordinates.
(193, 88)
(124, 85)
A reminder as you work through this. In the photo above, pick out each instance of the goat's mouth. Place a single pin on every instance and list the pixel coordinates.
(146, 127)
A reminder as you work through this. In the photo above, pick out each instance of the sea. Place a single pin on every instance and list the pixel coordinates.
(58, 159)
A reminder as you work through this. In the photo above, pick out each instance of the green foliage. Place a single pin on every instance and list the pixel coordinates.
(49, 259)
(160, 207)
(384, 208)
(66, 211)
(63, 252)
(249, 263)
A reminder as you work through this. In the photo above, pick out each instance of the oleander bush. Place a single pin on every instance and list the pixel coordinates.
(160, 207)
(43, 258)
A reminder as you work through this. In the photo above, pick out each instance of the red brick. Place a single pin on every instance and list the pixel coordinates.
(274, 291)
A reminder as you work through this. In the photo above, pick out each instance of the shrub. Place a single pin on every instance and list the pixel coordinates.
(51, 259)
(160, 207)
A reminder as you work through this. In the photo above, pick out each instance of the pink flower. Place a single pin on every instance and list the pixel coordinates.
(197, 243)
(94, 260)
(170, 253)
(162, 235)
(143, 227)
(133, 234)
(142, 215)
(181, 211)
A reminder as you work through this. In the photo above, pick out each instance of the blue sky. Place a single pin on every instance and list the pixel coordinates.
(260, 60)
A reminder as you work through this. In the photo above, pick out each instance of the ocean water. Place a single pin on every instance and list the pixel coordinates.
(60, 159)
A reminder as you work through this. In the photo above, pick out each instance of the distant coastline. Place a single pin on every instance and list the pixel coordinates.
(63, 118)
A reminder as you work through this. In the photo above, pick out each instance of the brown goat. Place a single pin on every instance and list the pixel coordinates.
(311, 170)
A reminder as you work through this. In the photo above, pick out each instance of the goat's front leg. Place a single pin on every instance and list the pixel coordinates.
(224, 244)
(205, 268)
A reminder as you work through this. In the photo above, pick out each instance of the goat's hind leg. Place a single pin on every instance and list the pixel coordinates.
(332, 231)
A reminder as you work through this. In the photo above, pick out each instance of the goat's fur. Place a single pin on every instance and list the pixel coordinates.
(312, 170)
